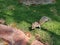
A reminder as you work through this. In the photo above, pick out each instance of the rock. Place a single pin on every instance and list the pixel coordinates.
(13, 36)
(28, 2)
(36, 42)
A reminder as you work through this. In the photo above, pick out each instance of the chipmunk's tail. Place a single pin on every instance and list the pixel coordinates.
(43, 20)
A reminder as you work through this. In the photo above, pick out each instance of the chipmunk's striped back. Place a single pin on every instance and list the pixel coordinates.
(43, 20)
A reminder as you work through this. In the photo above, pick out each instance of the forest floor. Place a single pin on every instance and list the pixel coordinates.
(23, 16)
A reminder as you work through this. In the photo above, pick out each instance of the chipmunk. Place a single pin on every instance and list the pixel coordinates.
(35, 24)
(44, 19)
(39, 23)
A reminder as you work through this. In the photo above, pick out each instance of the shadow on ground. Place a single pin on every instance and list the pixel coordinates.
(55, 37)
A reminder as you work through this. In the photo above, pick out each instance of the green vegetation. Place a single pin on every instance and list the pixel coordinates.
(12, 11)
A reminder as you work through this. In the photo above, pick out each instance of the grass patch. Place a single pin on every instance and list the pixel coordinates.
(12, 11)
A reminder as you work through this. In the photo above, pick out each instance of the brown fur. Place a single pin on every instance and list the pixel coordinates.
(39, 23)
